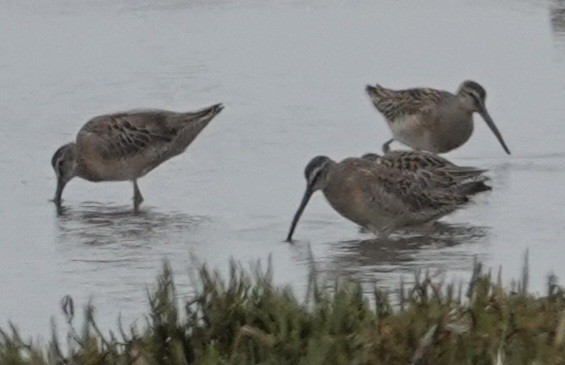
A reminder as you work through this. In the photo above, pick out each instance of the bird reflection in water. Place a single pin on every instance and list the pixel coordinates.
(384, 260)
(101, 224)
(391, 251)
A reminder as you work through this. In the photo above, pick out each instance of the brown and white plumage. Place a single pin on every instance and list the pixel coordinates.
(431, 170)
(390, 192)
(432, 120)
(126, 146)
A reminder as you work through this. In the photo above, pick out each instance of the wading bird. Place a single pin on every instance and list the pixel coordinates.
(398, 190)
(432, 120)
(126, 146)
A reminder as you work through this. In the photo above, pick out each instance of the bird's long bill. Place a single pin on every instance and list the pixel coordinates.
(493, 128)
(305, 199)
(59, 192)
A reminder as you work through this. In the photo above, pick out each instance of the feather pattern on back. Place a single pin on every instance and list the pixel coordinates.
(430, 169)
(394, 104)
(125, 134)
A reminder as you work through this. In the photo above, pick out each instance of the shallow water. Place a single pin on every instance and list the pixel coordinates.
(292, 77)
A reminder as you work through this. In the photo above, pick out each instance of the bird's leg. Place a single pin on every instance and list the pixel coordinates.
(427, 229)
(380, 234)
(137, 197)
(386, 145)
(384, 234)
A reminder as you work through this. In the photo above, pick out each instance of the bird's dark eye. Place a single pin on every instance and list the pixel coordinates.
(314, 177)
(476, 99)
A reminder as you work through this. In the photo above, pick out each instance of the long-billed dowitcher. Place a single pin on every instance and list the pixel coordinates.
(384, 193)
(126, 146)
(432, 120)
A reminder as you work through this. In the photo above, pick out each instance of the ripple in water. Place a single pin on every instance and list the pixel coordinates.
(100, 224)
(382, 260)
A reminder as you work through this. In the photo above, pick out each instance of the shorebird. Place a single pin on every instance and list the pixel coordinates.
(126, 146)
(385, 193)
(432, 120)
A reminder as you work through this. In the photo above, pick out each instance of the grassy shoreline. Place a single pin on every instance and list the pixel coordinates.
(246, 319)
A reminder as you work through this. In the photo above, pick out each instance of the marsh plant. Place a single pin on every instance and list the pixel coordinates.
(247, 319)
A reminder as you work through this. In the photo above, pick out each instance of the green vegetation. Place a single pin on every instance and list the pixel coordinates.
(246, 319)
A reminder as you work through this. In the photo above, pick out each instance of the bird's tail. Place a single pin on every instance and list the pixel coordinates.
(474, 187)
(375, 92)
(384, 100)
(205, 114)
(463, 173)
(189, 125)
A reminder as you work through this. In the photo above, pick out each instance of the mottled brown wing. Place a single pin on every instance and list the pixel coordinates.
(401, 192)
(430, 170)
(125, 134)
(415, 160)
(394, 104)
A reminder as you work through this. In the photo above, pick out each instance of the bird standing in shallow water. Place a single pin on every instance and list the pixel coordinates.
(397, 190)
(126, 146)
(432, 120)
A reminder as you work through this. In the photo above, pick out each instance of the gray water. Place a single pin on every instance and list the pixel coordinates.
(291, 75)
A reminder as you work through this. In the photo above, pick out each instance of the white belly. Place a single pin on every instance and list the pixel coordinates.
(437, 136)
(409, 131)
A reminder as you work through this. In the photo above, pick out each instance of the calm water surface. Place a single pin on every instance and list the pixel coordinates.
(292, 77)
